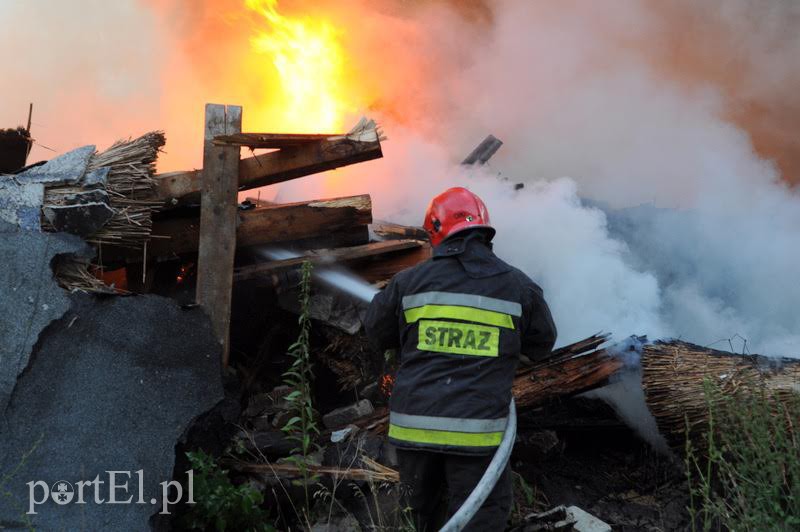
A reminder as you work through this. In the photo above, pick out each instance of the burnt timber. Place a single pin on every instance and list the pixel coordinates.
(276, 223)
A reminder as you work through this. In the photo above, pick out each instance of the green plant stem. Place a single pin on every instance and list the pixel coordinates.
(302, 426)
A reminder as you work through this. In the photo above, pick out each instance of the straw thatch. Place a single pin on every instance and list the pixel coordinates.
(130, 186)
(73, 273)
(675, 376)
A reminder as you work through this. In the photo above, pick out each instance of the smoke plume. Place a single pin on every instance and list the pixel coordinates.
(657, 142)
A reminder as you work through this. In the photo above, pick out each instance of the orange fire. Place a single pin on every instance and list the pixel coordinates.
(387, 383)
(308, 57)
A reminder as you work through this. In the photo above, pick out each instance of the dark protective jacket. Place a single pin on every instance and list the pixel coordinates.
(460, 321)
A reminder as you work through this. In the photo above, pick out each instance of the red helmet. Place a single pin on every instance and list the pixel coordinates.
(454, 210)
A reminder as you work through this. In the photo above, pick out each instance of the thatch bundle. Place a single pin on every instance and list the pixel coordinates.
(130, 186)
(73, 273)
(676, 376)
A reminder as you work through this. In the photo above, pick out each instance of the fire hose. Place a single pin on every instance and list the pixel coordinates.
(490, 477)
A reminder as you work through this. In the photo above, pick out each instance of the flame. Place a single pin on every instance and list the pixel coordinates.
(308, 57)
(387, 383)
(183, 272)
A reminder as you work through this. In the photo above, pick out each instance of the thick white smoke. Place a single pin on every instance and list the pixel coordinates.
(711, 250)
(639, 128)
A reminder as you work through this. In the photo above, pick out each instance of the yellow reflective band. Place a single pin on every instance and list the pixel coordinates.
(446, 437)
(458, 338)
(487, 317)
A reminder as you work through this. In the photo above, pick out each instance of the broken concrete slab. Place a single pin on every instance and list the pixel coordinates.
(268, 403)
(86, 197)
(555, 519)
(351, 451)
(97, 177)
(271, 443)
(586, 522)
(539, 444)
(21, 204)
(81, 219)
(31, 299)
(371, 391)
(67, 168)
(112, 386)
(563, 518)
(347, 414)
(339, 436)
(334, 308)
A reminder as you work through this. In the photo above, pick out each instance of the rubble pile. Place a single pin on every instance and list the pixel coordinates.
(137, 375)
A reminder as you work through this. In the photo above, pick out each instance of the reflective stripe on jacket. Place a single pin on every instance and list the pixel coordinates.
(460, 321)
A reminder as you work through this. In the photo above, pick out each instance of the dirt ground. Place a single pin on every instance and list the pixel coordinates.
(603, 468)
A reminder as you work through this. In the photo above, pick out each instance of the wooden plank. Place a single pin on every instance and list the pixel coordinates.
(294, 221)
(270, 140)
(392, 231)
(383, 268)
(326, 256)
(217, 235)
(177, 188)
(565, 376)
(287, 222)
(353, 236)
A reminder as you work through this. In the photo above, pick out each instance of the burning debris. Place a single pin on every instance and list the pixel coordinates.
(115, 202)
(678, 220)
(568, 371)
(153, 228)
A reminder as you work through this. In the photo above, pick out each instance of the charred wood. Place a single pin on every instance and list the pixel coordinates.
(564, 375)
(279, 223)
(392, 231)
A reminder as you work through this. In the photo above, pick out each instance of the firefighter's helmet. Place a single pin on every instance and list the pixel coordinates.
(454, 210)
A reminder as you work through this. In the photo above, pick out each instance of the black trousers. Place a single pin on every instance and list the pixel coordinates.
(434, 482)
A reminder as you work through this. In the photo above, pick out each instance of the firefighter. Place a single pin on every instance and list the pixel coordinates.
(460, 322)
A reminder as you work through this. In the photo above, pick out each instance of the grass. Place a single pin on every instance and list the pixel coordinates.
(744, 475)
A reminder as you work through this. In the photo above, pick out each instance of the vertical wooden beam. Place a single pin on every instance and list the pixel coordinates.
(220, 180)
